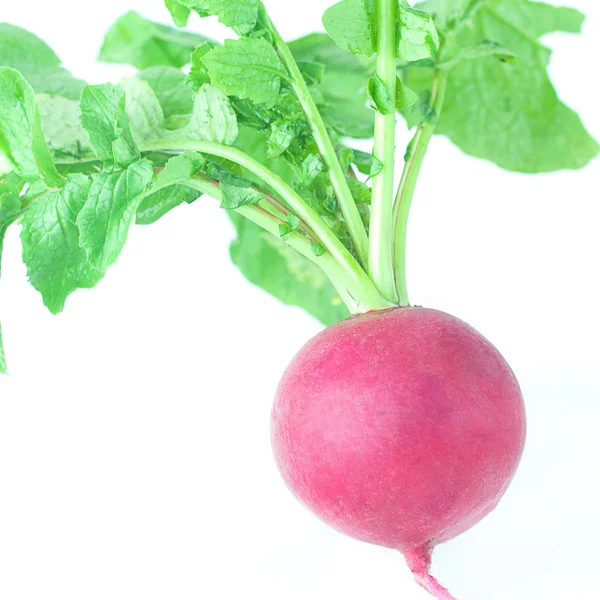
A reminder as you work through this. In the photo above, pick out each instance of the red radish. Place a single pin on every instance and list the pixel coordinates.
(402, 428)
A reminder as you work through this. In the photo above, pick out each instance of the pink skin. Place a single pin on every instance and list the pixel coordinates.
(401, 428)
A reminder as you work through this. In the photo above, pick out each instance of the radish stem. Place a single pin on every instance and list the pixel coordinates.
(336, 173)
(381, 230)
(354, 301)
(412, 167)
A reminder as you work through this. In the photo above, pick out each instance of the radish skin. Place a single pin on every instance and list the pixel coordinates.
(401, 428)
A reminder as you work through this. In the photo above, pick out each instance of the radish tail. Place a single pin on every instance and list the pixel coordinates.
(419, 561)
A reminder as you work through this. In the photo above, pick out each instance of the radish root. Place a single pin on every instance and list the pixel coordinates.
(419, 562)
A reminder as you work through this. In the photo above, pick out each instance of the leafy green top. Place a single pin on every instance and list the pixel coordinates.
(266, 129)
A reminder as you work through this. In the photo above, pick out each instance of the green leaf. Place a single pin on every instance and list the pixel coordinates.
(198, 74)
(352, 26)
(360, 191)
(168, 83)
(511, 114)
(56, 265)
(145, 118)
(158, 204)
(105, 218)
(37, 62)
(3, 367)
(405, 97)
(376, 166)
(178, 169)
(272, 265)
(312, 72)
(363, 161)
(179, 12)
(482, 50)
(380, 98)
(234, 196)
(240, 15)
(21, 139)
(450, 13)
(346, 157)
(312, 166)
(105, 120)
(11, 208)
(343, 89)
(66, 138)
(167, 190)
(247, 68)
(416, 33)
(136, 41)
(212, 119)
(285, 229)
(317, 249)
(281, 136)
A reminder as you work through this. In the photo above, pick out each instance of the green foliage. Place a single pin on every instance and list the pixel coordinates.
(106, 122)
(352, 24)
(56, 264)
(240, 15)
(212, 117)
(380, 97)
(37, 62)
(169, 85)
(247, 68)
(416, 33)
(342, 93)
(168, 189)
(11, 208)
(3, 367)
(109, 211)
(272, 265)
(67, 140)
(22, 142)
(80, 164)
(235, 196)
(508, 111)
(405, 97)
(157, 204)
(136, 41)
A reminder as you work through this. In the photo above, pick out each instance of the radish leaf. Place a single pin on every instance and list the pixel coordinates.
(136, 41)
(37, 62)
(283, 273)
(109, 210)
(168, 83)
(56, 264)
(105, 120)
(352, 26)
(510, 114)
(21, 138)
(247, 68)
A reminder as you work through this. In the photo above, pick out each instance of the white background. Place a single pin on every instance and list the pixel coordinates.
(135, 459)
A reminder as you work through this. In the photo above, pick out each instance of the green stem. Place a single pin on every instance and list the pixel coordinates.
(336, 173)
(380, 230)
(414, 160)
(296, 240)
(357, 280)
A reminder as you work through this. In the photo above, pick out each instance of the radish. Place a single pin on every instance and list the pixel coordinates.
(398, 426)
(401, 428)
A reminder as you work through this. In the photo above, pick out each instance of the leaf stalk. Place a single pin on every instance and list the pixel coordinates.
(381, 231)
(406, 189)
(336, 173)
